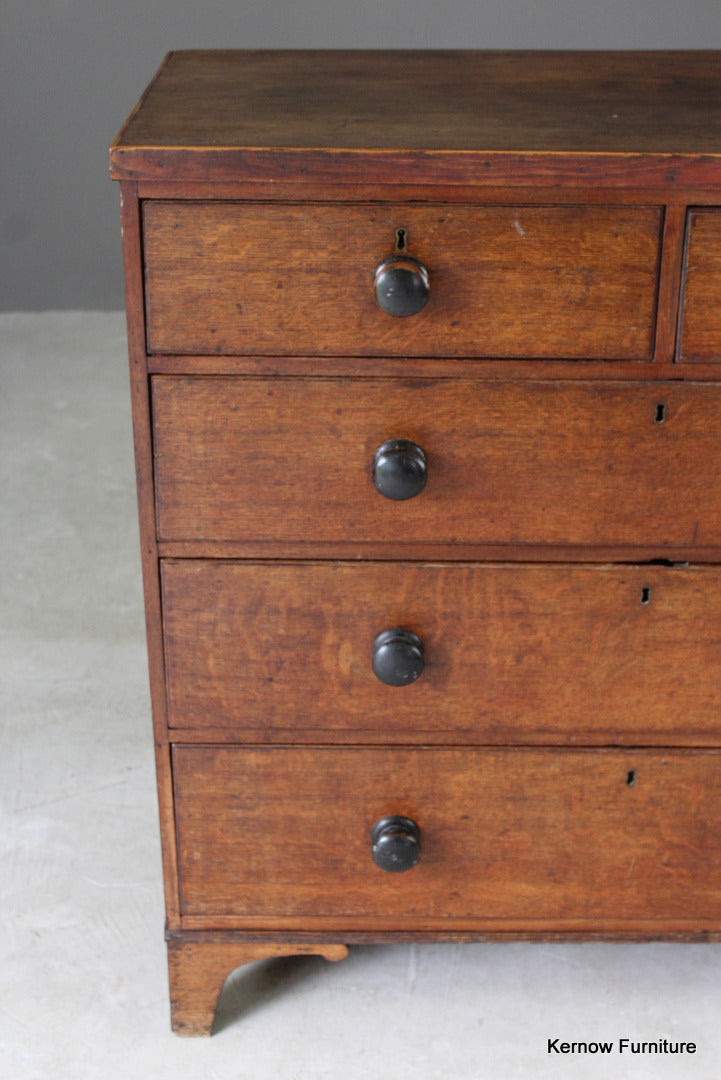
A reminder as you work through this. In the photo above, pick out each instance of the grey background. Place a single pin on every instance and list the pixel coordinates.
(71, 70)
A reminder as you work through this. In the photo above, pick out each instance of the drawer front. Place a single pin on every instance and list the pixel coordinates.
(504, 281)
(701, 327)
(542, 836)
(509, 654)
(521, 463)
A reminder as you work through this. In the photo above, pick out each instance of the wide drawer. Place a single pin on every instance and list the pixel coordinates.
(510, 653)
(505, 281)
(559, 463)
(701, 327)
(540, 837)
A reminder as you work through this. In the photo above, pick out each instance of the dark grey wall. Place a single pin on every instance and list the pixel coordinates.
(70, 70)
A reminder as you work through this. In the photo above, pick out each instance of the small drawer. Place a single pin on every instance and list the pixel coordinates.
(701, 315)
(537, 838)
(442, 653)
(568, 282)
(564, 463)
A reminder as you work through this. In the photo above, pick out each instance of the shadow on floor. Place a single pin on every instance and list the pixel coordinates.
(255, 986)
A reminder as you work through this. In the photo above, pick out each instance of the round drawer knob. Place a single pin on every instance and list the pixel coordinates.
(397, 656)
(399, 469)
(401, 285)
(395, 844)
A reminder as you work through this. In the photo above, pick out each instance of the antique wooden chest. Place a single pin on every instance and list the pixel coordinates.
(425, 355)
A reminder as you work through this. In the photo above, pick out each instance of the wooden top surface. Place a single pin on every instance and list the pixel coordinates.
(229, 106)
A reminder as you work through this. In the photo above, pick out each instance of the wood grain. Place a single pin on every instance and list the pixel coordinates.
(140, 399)
(668, 308)
(701, 331)
(465, 116)
(505, 281)
(506, 834)
(512, 654)
(559, 463)
(559, 751)
(197, 969)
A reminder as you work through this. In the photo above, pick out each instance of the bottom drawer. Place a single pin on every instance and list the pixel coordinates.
(509, 838)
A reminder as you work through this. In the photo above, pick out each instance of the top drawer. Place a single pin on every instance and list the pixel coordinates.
(553, 282)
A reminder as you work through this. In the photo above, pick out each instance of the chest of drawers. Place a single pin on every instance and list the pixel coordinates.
(425, 356)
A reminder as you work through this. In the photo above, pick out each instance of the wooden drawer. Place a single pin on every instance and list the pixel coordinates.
(515, 463)
(701, 327)
(510, 653)
(539, 838)
(505, 281)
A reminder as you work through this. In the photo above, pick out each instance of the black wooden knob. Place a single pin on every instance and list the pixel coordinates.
(397, 656)
(395, 844)
(399, 469)
(401, 285)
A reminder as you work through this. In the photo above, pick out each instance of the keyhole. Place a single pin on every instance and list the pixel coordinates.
(660, 412)
(646, 595)
(401, 240)
(631, 777)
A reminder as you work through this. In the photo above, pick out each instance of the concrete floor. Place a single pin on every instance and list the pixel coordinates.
(82, 962)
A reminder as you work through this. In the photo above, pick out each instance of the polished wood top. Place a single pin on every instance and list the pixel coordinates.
(655, 102)
(434, 102)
